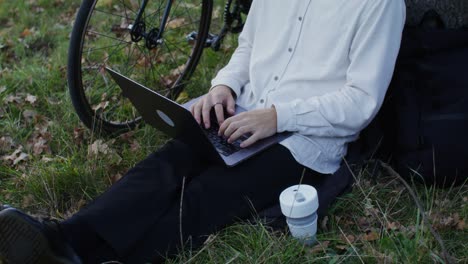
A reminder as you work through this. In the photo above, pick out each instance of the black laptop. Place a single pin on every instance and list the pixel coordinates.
(177, 121)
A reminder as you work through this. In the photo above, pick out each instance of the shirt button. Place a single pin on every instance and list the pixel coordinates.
(262, 101)
(300, 18)
(290, 49)
(276, 78)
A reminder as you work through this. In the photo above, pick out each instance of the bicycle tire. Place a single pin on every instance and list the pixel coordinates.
(96, 33)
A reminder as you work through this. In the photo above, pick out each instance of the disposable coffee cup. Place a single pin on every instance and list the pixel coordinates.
(299, 204)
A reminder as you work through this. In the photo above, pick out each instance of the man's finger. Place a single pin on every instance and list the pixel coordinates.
(219, 110)
(231, 105)
(228, 122)
(252, 139)
(197, 110)
(206, 113)
(224, 125)
(238, 133)
(232, 128)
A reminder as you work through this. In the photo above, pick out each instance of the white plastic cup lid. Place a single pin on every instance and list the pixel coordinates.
(299, 201)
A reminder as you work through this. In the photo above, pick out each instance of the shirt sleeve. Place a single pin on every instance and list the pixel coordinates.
(236, 74)
(372, 56)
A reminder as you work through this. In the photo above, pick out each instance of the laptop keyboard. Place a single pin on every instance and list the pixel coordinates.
(221, 143)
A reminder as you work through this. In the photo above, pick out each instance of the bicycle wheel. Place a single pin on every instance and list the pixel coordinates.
(107, 33)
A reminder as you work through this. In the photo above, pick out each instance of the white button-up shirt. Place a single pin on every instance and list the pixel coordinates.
(325, 65)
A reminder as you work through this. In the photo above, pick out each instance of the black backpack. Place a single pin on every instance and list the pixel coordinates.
(423, 124)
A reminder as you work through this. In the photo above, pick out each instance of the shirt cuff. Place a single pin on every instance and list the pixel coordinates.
(285, 117)
(229, 82)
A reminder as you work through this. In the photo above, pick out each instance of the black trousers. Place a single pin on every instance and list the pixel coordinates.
(142, 217)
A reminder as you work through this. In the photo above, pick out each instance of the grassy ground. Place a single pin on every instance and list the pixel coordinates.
(49, 164)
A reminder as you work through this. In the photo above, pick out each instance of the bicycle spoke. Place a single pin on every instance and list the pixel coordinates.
(107, 36)
(175, 46)
(131, 67)
(103, 48)
(127, 8)
(108, 56)
(93, 67)
(153, 67)
(188, 14)
(170, 52)
(109, 13)
(109, 42)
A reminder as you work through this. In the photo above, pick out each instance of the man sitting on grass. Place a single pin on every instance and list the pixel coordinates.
(318, 68)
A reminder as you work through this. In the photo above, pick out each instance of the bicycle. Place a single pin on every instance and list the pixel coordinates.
(156, 42)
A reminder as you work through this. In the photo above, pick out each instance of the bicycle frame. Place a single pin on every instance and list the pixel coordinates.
(232, 23)
(153, 37)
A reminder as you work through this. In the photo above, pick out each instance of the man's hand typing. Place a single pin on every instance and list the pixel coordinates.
(219, 97)
(260, 123)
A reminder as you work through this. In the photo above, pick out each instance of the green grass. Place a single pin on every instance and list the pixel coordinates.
(378, 222)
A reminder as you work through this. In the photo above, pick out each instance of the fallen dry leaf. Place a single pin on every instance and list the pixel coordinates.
(459, 223)
(116, 178)
(175, 23)
(30, 115)
(178, 71)
(168, 81)
(38, 9)
(46, 159)
(6, 144)
(102, 105)
(217, 12)
(16, 157)
(320, 247)
(13, 99)
(97, 147)
(26, 32)
(371, 236)
(58, 3)
(135, 146)
(341, 247)
(40, 146)
(348, 239)
(27, 201)
(364, 223)
(31, 99)
(127, 136)
(78, 135)
(119, 30)
(100, 147)
(53, 101)
(22, 157)
(410, 231)
(393, 225)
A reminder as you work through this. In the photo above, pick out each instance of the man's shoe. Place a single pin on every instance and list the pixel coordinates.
(25, 240)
